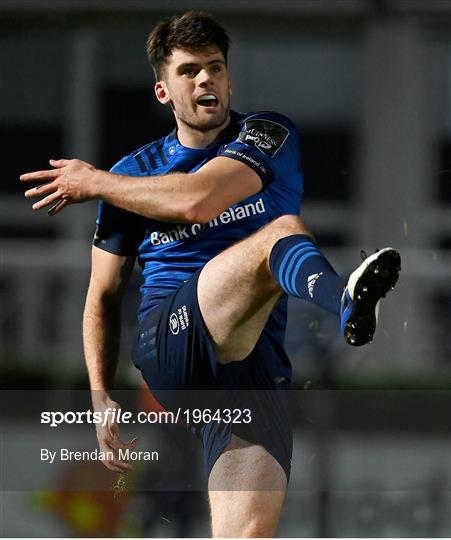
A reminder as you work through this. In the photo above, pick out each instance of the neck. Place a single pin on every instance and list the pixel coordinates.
(194, 138)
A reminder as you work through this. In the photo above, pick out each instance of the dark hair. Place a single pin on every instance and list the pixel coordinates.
(192, 31)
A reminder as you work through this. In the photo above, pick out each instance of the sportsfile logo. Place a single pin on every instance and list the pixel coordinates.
(179, 320)
(311, 280)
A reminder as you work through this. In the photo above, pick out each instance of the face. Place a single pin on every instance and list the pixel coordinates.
(197, 86)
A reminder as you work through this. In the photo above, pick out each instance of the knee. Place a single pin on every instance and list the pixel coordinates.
(253, 528)
(233, 353)
(258, 529)
(289, 224)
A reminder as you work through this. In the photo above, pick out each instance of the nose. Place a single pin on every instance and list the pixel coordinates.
(204, 78)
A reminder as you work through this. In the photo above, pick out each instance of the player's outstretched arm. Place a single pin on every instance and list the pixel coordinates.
(190, 198)
(101, 336)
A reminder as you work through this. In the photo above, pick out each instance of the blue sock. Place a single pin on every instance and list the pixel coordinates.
(302, 271)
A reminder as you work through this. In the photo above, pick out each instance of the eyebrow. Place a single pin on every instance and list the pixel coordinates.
(195, 64)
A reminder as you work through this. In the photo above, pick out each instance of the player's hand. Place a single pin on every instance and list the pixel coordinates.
(108, 436)
(70, 181)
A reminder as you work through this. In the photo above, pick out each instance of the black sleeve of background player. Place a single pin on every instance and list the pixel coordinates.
(118, 231)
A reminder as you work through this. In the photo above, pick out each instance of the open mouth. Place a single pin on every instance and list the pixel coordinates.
(208, 100)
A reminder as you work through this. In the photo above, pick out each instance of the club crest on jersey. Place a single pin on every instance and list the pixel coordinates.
(266, 135)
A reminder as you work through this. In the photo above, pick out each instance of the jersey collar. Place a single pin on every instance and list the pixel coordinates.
(229, 133)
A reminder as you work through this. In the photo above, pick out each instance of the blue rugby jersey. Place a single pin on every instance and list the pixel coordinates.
(169, 253)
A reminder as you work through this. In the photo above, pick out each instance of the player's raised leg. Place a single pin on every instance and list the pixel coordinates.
(246, 491)
(237, 292)
(239, 287)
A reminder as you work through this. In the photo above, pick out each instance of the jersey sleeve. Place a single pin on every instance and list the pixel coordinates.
(268, 143)
(118, 231)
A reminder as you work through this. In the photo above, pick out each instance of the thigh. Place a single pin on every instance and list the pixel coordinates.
(246, 491)
(236, 295)
(237, 292)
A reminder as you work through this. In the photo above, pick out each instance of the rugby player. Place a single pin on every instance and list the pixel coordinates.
(211, 211)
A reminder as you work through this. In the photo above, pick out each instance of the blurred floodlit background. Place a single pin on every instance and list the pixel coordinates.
(368, 83)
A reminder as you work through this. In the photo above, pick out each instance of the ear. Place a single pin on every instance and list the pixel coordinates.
(162, 93)
(230, 86)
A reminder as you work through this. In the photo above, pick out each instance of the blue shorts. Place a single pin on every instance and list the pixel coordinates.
(175, 355)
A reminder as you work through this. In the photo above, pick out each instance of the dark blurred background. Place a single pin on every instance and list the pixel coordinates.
(368, 83)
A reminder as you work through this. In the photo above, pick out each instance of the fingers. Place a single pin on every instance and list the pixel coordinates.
(56, 208)
(110, 443)
(114, 440)
(118, 465)
(48, 188)
(114, 463)
(53, 197)
(42, 189)
(51, 188)
(45, 175)
(39, 175)
(117, 443)
(58, 163)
